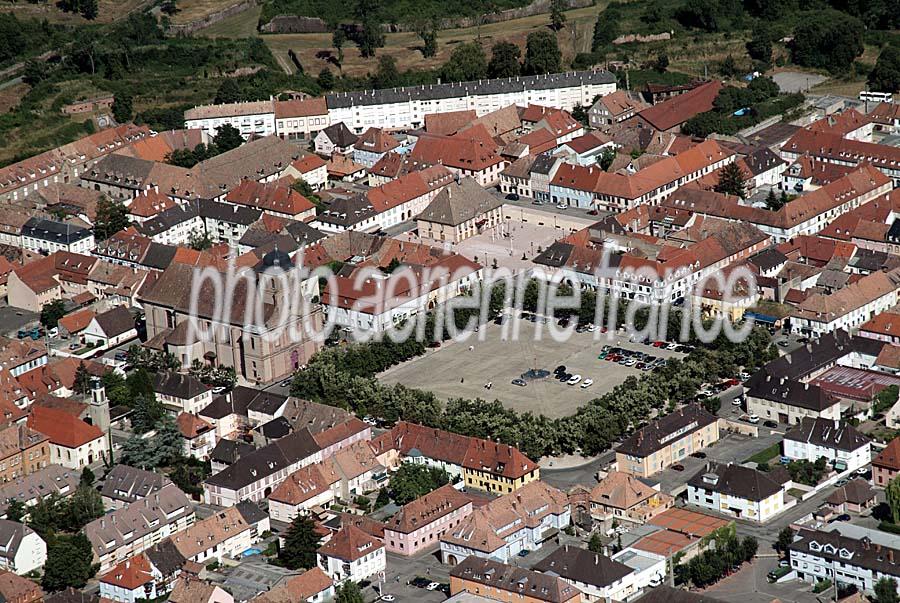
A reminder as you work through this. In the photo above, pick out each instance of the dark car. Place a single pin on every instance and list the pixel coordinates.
(512, 197)
(770, 424)
(523, 553)
(560, 369)
(678, 467)
(420, 582)
(842, 517)
(698, 455)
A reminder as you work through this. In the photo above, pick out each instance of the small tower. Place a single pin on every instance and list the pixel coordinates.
(99, 406)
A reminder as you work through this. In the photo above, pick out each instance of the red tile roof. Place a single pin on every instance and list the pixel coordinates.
(192, 426)
(271, 196)
(677, 110)
(130, 574)
(62, 428)
(349, 544)
(300, 108)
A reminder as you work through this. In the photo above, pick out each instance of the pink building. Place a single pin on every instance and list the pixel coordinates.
(342, 435)
(421, 523)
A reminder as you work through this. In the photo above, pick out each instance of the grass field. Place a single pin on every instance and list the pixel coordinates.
(109, 11)
(193, 10)
(241, 25)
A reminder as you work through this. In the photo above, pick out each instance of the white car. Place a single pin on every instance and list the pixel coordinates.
(736, 402)
(671, 346)
(574, 380)
(754, 419)
(433, 586)
(388, 598)
(587, 383)
(591, 328)
(53, 332)
(655, 581)
(561, 206)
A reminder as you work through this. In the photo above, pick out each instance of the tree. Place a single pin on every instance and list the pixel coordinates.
(467, 62)
(68, 563)
(827, 39)
(35, 72)
(199, 241)
(712, 404)
(595, 545)
(325, 79)
(732, 181)
(89, 9)
(606, 29)
(348, 592)
(338, 39)
(892, 492)
(147, 411)
(412, 481)
(111, 217)
(885, 77)
(886, 398)
(87, 477)
(168, 445)
(886, 590)
(51, 312)
(228, 92)
(580, 113)
(387, 75)
(784, 540)
(122, 108)
(82, 383)
(371, 37)
(759, 46)
(504, 60)
(728, 67)
(227, 137)
(428, 33)
(661, 63)
(15, 510)
(542, 53)
(749, 546)
(300, 544)
(557, 16)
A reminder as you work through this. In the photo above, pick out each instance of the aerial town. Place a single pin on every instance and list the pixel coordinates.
(561, 325)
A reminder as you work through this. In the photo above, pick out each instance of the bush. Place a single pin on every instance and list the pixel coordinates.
(822, 585)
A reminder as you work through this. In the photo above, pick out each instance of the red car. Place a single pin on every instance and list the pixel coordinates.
(733, 382)
(678, 467)
(659, 344)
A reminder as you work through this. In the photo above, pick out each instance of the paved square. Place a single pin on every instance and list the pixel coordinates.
(454, 371)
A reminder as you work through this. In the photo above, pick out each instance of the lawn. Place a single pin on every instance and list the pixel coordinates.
(764, 456)
(241, 25)
(109, 11)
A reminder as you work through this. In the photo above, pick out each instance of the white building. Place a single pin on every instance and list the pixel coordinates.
(839, 442)
(180, 392)
(311, 486)
(250, 118)
(49, 236)
(21, 549)
(599, 578)
(132, 580)
(737, 491)
(224, 534)
(73, 443)
(352, 554)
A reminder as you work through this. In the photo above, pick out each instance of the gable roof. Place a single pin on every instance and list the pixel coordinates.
(679, 109)
(515, 580)
(427, 509)
(349, 544)
(62, 428)
(459, 202)
(580, 565)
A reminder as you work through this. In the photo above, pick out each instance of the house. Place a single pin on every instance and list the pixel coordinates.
(70, 595)
(148, 204)
(129, 531)
(111, 328)
(738, 491)
(623, 497)
(300, 119)
(312, 586)
(130, 580)
(124, 485)
(507, 583)
(19, 356)
(74, 323)
(193, 590)
(22, 551)
(73, 443)
(32, 488)
(372, 145)
(253, 118)
(587, 149)
(856, 496)
(272, 198)
(16, 589)
(180, 392)
(839, 442)
(523, 520)
(466, 154)
(309, 487)
(222, 534)
(421, 523)
(358, 469)
(668, 115)
(599, 578)
(48, 236)
(886, 466)
(614, 108)
(23, 451)
(832, 147)
(336, 139)
(460, 210)
(312, 169)
(199, 436)
(817, 555)
(41, 281)
(351, 554)
(667, 440)
(787, 400)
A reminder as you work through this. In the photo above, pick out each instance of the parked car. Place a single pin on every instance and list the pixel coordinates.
(560, 369)
(754, 418)
(770, 424)
(523, 553)
(574, 380)
(433, 586)
(53, 332)
(519, 382)
(388, 598)
(784, 563)
(678, 467)
(698, 455)
(420, 582)
(561, 206)
(736, 402)
(587, 383)
(512, 197)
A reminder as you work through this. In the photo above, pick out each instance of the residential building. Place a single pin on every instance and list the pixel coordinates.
(255, 118)
(22, 551)
(351, 554)
(668, 115)
(193, 590)
(30, 489)
(312, 169)
(199, 436)
(300, 119)
(129, 531)
(130, 580)
(48, 236)
(614, 108)
(837, 441)
(23, 451)
(309, 487)
(738, 491)
(599, 578)
(372, 146)
(831, 147)
(111, 328)
(180, 392)
(468, 153)
(856, 496)
(460, 210)
(73, 443)
(224, 534)
(358, 469)
(667, 440)
(125, 485)
(587, 149)
(523, 520)
(335, 139)
(623, 497)
(420, 524)
(507, 583)
(17, 589)
(787, 400)
(312, 586)
(817, 556)
(886, 465)
(19, 356)
(273, 199)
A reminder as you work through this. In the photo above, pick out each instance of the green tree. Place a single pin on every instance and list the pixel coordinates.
(504, 60)
(371, 38)
(557, 16)
(167, 444)
(35, 72)
(89, 9)
(886, 398)
(15, 510)
(749, 546)
(122, 108)
(348, 592)
(885, 77)
(338, 39)
(68, 563)
(326, 79)
(712, 404)
(542, 53)
(300, 544)
(732, 181)
(82, 384)
(728, 67)
(412, 481)
(892, 492)
(387, 75)
(661, 63)
(228, 92)
(137, 453)
(606, 158)
(827, 39)
(772, 202)
(87, 477)
(83, 507)
(595, 545)
(606, 29)
(147, 412)
(467, 62)
(759, 46)
(227, 137)
(111, 217)
(428, 33)
(886, 590)
(51, 312)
